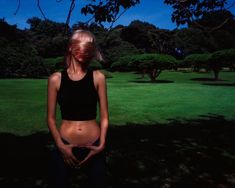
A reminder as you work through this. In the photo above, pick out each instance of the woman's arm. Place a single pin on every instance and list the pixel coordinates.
(100, 84)
(103, 105)
(52, 87)
(66, 150)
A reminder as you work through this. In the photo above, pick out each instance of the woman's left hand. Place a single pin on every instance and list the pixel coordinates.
(93, 151)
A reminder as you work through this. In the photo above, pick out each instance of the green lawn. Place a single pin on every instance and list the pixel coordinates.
(132, 99)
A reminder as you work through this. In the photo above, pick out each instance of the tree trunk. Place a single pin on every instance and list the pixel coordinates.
(232, 67)
(143, 73)
(216, 74)
(154, 74)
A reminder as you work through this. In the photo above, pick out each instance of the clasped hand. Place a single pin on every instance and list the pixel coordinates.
(71, 160)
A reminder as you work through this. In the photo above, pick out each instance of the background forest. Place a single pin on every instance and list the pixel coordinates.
(39, 50)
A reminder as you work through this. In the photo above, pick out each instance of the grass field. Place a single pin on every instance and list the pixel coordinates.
(132, 99)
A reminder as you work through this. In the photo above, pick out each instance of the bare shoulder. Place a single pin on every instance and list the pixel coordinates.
(55, 78)
(99, 76)
(99, 79)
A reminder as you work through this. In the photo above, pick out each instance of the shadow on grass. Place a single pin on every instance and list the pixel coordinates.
(206, 79)
(198, 153)
(153, 82)
(219, 84)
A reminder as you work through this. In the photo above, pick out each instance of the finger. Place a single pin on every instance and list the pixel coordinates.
(68, 163)
(86, 158)
(72, 145)
(91, 147)
(71, 155)
(72, 163)
(65, 158)
(68, 160)
(75, 160)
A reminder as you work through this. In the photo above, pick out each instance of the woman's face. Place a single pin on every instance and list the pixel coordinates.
(82, 51)
(82, 46)
(80, 55)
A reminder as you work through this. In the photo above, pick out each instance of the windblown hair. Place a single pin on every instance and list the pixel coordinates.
(83, 48)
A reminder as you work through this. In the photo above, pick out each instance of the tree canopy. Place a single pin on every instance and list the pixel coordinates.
(18, 57)
(100, 10)
(187, 11)
(152, 64)
(212, 61)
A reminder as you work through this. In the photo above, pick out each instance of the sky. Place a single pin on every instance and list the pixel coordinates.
(151, 11)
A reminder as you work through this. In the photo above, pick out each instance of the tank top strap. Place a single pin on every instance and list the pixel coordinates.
(63, 75)
(91, 77)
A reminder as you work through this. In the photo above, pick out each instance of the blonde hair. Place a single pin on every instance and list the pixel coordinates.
(83, 47)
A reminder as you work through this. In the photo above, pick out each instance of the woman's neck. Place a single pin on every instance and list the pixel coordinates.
(76, 67)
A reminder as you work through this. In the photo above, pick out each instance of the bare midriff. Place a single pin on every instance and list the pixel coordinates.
(80, 132)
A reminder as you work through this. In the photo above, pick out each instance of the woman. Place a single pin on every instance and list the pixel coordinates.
(80, 140)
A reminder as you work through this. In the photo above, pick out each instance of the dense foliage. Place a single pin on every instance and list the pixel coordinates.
(18, 57)
(186, 11)
(147, 63)
(212, 61)
(107, 11)
(39, 50)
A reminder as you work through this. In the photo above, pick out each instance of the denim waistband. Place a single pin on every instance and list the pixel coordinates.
(96, 143)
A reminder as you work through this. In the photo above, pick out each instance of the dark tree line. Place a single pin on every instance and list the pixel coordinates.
(30, 52)
(18, 56)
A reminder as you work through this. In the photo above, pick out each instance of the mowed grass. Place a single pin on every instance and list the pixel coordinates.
(132, 99)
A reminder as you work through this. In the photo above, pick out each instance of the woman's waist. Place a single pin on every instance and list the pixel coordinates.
(82, 126)
(80, 131)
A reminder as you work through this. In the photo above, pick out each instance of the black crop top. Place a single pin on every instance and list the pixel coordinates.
(77, 99)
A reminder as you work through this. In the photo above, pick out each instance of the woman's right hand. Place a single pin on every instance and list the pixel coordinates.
(68, 156)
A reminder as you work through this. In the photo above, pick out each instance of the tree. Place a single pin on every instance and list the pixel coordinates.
(222, 58)
(164, 41)
(123, 63)
(194, 40)
(149, 38)
(57, 64)
(18, 57)
(53, 64)
(216, 20)
(188, 11)
(45, 27)
(95, 65)
(47, 36)
(198, 61)
(100, 10)
(212, 61)
(224, 21)
(197, 40)
(141, 34)
(153, 64)
(114, 47)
